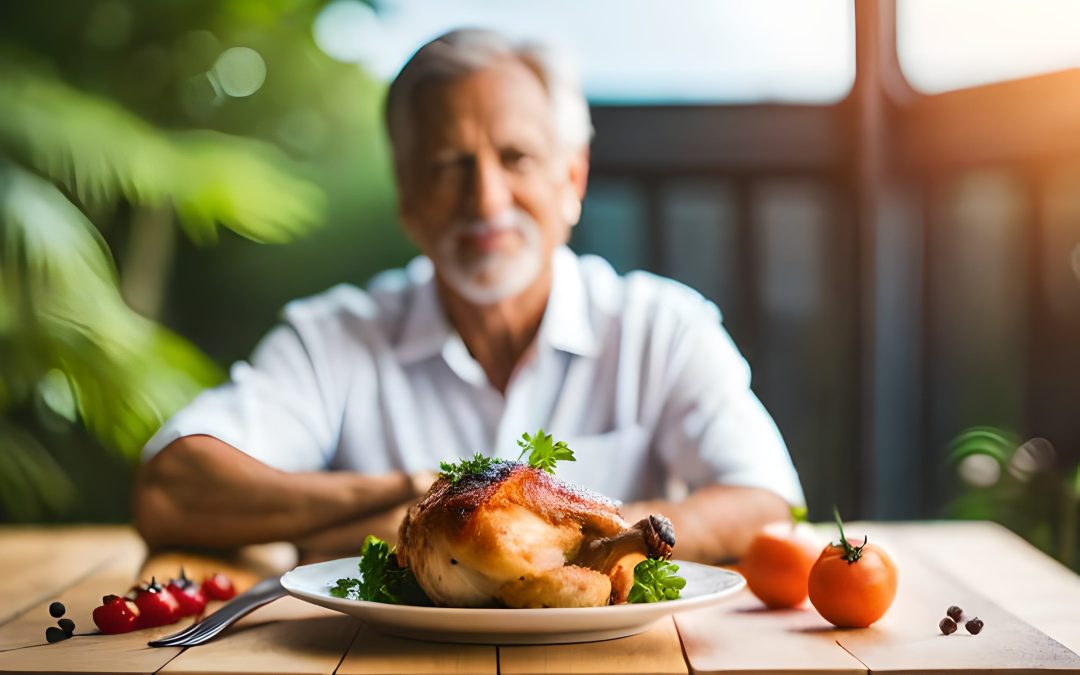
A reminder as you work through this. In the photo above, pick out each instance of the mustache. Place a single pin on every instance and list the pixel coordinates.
(513, 219)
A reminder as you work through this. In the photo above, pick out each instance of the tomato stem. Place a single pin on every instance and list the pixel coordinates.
(798, 514)
(851, 553)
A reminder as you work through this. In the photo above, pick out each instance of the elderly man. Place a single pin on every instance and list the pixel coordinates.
(496, 330)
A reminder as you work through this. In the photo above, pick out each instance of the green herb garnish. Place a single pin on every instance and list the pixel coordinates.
(381, 579)
(543, 452)
(467, 467)
(655, 580)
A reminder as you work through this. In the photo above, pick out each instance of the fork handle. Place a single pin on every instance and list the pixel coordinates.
(264, 592)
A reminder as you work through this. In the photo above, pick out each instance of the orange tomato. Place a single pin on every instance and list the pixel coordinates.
(852, 585)
(777, 564)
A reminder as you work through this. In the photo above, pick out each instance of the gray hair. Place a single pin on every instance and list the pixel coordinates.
(465, 51)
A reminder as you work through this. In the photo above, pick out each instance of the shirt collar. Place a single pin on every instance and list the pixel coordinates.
(566, 325)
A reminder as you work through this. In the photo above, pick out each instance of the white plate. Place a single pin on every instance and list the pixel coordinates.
(705, 586)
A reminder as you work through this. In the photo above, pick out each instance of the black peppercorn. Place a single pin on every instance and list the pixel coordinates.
(947, 626)
(974, 626)
(57, 609)
(66, 625)
(955, 613)
(54, 634)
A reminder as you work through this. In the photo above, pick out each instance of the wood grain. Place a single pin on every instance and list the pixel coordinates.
(38, 563)
(907, 638)
(114, 574)
(373, 653)
(88, 651)
(286, 636)
(980, 566)
(657, 650)
(742, 636)
(1004, 568)
(119, 654)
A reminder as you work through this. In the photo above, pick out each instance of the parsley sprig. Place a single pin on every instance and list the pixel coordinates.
(543, 452)
(381, 578)
(467, 467)
(655, 580)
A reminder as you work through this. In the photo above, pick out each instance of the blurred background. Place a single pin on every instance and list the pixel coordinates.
(883, 198)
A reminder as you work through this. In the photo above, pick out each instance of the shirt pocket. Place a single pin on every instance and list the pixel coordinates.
(617, 464)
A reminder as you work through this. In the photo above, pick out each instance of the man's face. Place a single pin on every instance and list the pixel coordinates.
(486, 189)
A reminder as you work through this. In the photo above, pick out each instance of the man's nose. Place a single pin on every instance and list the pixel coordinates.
(491, 189)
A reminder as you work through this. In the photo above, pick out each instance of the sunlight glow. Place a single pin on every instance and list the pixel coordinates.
(239, 71)
(953, 44)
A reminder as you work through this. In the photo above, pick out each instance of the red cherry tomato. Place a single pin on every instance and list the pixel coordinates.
(218, 587)
(852, 585)
(116, 615)
(157, 606)
(188, 595)
(777, 564)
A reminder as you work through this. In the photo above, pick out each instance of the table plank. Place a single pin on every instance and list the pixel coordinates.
(907, 639)
(742, 636)
(39, 563)
(373, 653)
(1015, 584)
(657, 650)
(1006, 569)
(114, 654)
(286, 636)
(87, 653)
(114, 575)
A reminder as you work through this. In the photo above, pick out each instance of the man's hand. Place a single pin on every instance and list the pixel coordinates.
(345, 539)
(716, 522)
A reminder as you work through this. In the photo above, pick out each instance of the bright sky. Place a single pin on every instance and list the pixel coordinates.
(952, 44)
(632, 50)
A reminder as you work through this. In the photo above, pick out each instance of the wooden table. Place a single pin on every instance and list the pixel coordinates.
(1030, 603)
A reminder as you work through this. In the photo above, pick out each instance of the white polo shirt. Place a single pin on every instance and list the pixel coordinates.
(635, 373)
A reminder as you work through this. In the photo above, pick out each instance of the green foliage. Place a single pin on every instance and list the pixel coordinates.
(73, 164)
(126, 373)
(1021, 485)
(100, 152)
(543, 452)
(656, 580)
(467, 467)
(381, 579)
(32, 484)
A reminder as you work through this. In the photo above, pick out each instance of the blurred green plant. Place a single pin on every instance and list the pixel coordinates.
(68, 339)
(1020, 484)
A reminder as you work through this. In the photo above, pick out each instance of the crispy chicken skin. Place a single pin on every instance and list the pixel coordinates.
(509, 535)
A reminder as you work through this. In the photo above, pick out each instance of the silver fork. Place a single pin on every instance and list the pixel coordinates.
(258, 595)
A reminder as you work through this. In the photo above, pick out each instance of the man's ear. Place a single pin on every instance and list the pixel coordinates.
(578, 168)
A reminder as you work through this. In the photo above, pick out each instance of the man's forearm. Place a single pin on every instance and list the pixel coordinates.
(200, 491)
(715, 522)
(345, 539)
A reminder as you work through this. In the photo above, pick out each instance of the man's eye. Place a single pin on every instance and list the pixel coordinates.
(451, 165)
(515, 159)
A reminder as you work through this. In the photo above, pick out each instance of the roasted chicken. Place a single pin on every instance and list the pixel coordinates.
(515, 536)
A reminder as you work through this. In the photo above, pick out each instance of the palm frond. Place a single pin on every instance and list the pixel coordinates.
(101, 152)
(128, 374)
(33, 484)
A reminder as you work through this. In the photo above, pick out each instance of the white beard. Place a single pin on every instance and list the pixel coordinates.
(495, 276)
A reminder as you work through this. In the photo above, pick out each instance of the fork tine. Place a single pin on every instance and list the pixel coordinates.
(194, 631)
(258, 595)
